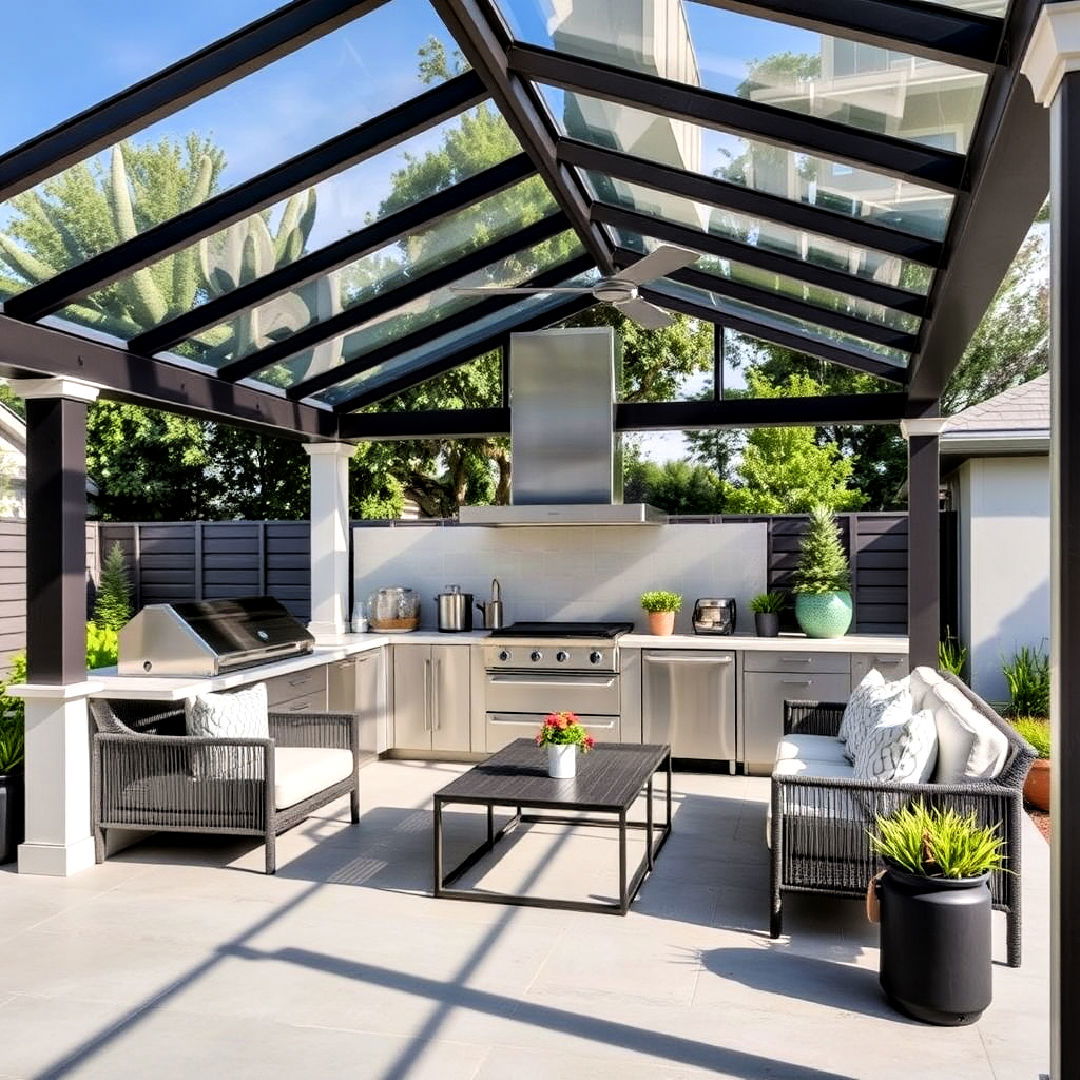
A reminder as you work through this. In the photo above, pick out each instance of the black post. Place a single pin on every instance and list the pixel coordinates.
(55, 540)
(924, 548)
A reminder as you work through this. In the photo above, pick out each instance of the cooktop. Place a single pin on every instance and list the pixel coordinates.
(564, 630)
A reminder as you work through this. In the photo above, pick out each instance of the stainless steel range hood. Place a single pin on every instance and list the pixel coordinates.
(567, 469)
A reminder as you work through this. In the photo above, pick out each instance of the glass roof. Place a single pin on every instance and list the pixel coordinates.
(863, 86)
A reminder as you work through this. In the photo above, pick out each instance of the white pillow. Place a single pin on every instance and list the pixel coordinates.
(923, 680)
(901, 748)
(867, 706)
(240, 715)
(970, 747)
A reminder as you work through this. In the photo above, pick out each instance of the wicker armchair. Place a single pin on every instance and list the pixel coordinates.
(819, 826)
(147, 774)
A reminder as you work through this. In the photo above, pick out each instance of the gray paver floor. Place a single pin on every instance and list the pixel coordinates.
(178, 958)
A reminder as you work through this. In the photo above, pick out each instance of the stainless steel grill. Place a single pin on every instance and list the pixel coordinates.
(209, 637)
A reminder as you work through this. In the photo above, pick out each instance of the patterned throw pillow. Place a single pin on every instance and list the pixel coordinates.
(857, 703)
(901, 747)
(867, 704)
(240, 715)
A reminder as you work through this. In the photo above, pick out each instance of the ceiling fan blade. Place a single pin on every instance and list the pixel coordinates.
(664, 260)
(488, 290)
(646, 314)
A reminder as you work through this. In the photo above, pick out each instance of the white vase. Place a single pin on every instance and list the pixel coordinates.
(562, 761)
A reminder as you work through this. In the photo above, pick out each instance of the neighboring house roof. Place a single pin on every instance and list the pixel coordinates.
(1017, 421)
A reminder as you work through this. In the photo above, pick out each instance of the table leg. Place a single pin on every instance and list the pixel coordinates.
(624, 899)
(437, 846)
(649, 822)
(491, 826)
(669, 790)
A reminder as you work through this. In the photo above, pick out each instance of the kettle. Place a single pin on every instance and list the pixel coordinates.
(492, 609)
(455, 610)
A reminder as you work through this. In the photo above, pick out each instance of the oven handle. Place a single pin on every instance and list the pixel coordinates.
(604, 683)
(532, 722)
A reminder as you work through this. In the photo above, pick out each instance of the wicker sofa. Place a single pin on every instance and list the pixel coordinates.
(818, 824)
(149, 774)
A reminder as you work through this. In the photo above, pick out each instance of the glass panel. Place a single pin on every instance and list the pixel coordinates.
(842, 189)
(364, 194)
(416, 359)
(361, 70)
(808, 247)
(728, 270)
(391, 266)
(982, 7)
(787, 67)
(103, 48)
(771, 319)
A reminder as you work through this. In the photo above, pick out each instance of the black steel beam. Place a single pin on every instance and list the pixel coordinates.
(28, 350)
(837, 354)
(380, 304)
(786, 305)
(744, 200)
(885, 408)
(477, 27)
(431, 424)
(301, 171)
(1009, 177)
(923, 29)
(241, 53)
(684, 236)
(421, 215)
(459, 320)
(940, 169)
(924, 551)
(468, 350)
(55, 540)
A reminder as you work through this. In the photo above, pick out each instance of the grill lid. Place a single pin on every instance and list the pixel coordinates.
(248, 624)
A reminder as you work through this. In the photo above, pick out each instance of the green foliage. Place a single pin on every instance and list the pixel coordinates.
(12, 707)
(112, 609)
(101, 646)
(676, 487)
(1028, 676)
(823, 566)
(1036, 730)
(564, 729)
(952, 655)
(938, 843)
(12, 743)
(661, 601)
(770, 603)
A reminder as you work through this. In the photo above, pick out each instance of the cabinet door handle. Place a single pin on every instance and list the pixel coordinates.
(795, 682)
(299, 681)
(427, 695)
(797, 659)
(436, 708)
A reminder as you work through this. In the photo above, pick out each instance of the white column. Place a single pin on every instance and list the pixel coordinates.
(329, 538)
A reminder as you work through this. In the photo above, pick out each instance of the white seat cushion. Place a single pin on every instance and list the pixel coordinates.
(970, 747)
(825, 769)
(811, 748)
(901, 748)
(922, 681)
(303, 771)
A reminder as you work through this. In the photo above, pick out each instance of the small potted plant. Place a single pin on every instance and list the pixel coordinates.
(766, 608)
(563, 736)
(662, 607)
(823, 579)
(1037, 785)
(934, 900)
(12, 752)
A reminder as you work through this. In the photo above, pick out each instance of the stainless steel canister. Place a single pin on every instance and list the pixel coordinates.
(455, 610)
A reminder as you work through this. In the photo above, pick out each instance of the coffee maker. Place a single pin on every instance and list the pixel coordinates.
(714, 616)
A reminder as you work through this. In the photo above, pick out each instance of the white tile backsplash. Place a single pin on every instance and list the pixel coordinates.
(568, 572)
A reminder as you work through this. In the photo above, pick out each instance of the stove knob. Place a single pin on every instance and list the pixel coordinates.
(537, 655)
(504, 654)
(596, 656)
(562, 656)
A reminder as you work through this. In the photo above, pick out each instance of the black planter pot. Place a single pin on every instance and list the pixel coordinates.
(767, 623)
(935, 946)
(11, 815)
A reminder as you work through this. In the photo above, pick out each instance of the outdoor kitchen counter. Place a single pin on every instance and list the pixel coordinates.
(850, 643)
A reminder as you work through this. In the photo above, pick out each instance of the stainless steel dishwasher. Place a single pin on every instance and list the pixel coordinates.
(688, 701)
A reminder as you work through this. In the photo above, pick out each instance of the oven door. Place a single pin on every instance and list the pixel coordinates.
(504, 727)
(595, 693)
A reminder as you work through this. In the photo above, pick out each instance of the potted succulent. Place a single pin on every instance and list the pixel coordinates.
(661, 607)
(823, 605)
(12, 752)
(934, 898)
(766, 608)
(563, 736)
(1037, 785)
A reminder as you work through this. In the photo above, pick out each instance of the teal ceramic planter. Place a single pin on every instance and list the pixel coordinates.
(823, 615)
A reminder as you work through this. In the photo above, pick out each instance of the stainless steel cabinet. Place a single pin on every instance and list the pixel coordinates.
(432, 697)
(891, 665)
(356, 686)
(688, 700)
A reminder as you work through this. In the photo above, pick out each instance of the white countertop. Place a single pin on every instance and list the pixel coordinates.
(850, 643)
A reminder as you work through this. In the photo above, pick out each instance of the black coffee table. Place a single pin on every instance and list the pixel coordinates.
(608, 782)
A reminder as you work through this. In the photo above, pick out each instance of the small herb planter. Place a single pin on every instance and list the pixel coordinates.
(662, 623)
(11, 815)
(661, 607)
(767, 623)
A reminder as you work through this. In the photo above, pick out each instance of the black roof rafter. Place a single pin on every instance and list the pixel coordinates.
(744, 200)
(330, 157)
(940, 169)
(420, 215)
(874, 291)
(241, 53)
(459, 320)
(355, 317)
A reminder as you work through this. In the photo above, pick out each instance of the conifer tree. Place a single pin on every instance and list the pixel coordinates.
(113, 606)
(823, 566)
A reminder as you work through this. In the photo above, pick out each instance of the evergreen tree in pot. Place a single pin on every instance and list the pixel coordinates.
(11, 786)
(934, 898)
(823, 605)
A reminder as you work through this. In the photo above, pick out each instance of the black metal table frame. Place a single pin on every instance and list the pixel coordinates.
(627, 889)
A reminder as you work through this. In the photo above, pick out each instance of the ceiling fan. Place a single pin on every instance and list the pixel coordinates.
(620, 289)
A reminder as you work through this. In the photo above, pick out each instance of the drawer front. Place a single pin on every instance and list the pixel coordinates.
(504, 728)
(805, 663)
(287, 687)
(314, 702)
(891, 665)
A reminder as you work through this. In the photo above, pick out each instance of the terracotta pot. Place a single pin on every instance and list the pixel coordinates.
(662, 623)
(1037, 785)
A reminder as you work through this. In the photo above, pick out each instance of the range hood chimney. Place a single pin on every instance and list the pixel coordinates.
(567, 468)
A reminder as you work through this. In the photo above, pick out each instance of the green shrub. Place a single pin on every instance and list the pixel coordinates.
(661, 601)
(938, 843)
(1037, 732)
(823, 566)
(770, 603)
(113, 607)
(101, 646)
(1028, 676)
(12, 745)
(952, 656)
